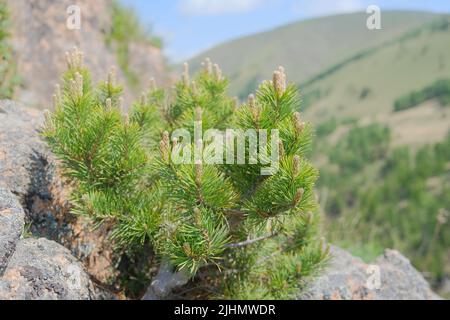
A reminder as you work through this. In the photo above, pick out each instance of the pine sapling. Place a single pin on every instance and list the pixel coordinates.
(180, 171)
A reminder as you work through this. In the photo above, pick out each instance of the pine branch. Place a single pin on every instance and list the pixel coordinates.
(251, 241)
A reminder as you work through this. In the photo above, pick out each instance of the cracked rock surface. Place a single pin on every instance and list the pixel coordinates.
(35, 269)
(349, 278)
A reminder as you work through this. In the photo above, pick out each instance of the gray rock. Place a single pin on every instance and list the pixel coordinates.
(349, 278)
(22, 152)
(11, 226)
(43, 270)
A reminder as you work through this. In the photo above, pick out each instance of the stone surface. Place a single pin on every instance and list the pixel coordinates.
(11, 226)
(36, 268)
(30, 171)
(348, 278)
(44, 270)
(40, 34)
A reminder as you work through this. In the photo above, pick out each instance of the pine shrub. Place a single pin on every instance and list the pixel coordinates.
(231, 231)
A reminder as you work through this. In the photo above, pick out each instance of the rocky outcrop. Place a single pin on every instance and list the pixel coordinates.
(30, 172)
(11, 226)
(36, 268)
(40, 38)
(390, 277)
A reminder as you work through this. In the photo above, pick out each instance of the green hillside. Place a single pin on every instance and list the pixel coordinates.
(305, 48)
(367, 87)
(380, 103)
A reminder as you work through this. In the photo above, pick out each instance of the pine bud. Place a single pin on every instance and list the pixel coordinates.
(74, 59)
(164, 146)
(296, 169)
(217, 72)
(126, 118)
(283, 78)
(443, 217)
(185, 76)
(108, 104)
(165, 137)
(251, 101)
(298, 267)
(298, 124)
(194, 87)
(208, 66)
(278, 83)
(187, 249)
(253, 107)
(79, 84)
(197, 216)
(299, 196)
(281, 149)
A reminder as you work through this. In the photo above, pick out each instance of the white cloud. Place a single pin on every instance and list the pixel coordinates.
(216, 7)
(327, 7)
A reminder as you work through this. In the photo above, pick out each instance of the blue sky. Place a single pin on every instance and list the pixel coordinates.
(191, 26)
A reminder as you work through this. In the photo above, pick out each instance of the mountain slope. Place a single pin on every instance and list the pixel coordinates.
(365, 89)
(305, 48)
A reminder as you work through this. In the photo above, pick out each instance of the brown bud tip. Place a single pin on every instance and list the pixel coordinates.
(281, 148)
(278, 82)
(208, 66)
(217, 72)
(299, 196)
(165, 137)
(164, 149)
(187, 248)
(251, 101)
(298, 124)
(194, 87)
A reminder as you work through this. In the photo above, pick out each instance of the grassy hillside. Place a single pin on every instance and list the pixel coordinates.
(384, 169)
(305, 48)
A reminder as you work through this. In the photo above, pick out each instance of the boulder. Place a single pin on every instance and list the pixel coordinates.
(390, 277)
(41, 269)
(36, 268)
(40, 34)
(11, 226)
(30, 172)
